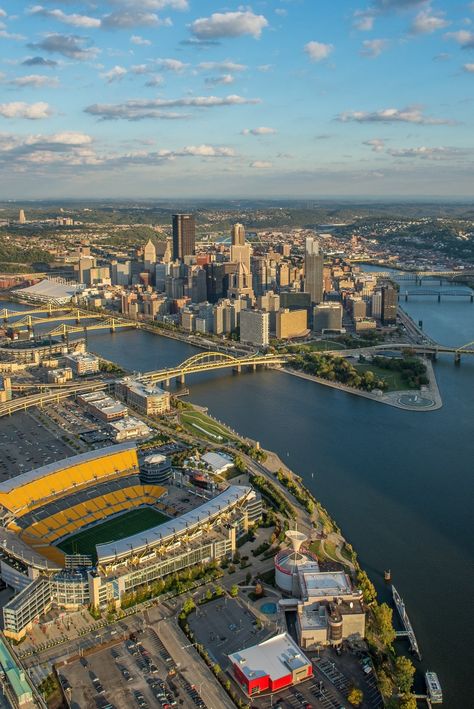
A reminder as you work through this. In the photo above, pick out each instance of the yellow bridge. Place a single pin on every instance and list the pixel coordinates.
(111, 324)
(53, 396)
(210, 361)
(49, 310)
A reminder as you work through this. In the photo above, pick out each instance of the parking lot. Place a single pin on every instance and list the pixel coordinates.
(137, 672)
(333, 677)
(225, 626)
(27, 444)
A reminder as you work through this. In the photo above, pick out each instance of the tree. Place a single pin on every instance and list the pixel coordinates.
(385, 684)
(188, 606)
(383, 620)
(404, 673)
(355, 697)
(234, 590)
(367, 587)
(208, 595)
(408, 702)
(239, 464)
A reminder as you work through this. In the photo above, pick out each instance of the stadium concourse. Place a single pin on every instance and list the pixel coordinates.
(57, 523)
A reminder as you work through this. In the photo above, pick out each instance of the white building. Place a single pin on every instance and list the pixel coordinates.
(129, 428)
(83, 363)
(255, 327)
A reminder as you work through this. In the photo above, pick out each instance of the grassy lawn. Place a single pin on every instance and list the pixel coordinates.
(394, 379)
(117, 528)
(321, 346)
(201, 425)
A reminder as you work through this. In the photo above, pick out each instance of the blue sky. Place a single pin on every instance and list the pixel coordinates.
(178, 98)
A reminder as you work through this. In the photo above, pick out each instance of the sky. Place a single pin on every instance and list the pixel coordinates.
(280, 98)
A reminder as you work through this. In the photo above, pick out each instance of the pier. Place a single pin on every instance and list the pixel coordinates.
(408, 631)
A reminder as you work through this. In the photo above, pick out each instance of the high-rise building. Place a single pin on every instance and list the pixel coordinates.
(313, 270)
(327, 316)
(184, 236)
(389, 305)
(255, 327)
(149, 256)
(238, 235)
(121, 273)
(21, 217)
(291, 323)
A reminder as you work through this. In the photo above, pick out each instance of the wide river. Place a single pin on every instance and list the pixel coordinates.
(400, 484)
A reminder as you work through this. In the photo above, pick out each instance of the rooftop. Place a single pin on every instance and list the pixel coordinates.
(217, 461)
(168, 530)
(45, 470)
(274, 658)
(323, 584)
(51, 289)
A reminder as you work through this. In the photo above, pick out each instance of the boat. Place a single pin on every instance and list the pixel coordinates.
(433, 687)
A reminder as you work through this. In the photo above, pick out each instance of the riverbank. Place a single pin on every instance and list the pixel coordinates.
(428, 399)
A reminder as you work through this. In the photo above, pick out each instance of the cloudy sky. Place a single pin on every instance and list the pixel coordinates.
(178, 98)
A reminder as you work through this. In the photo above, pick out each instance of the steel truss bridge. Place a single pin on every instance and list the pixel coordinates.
(210, 361)
(418, 276)
(31, 318)
(431, 349)
(452, 292)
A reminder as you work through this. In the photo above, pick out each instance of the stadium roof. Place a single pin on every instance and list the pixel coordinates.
(45, 470)
(166, 531)
(275, 658)
(53, 290)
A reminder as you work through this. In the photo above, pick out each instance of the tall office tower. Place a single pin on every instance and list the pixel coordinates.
(86, 263)
(254, 327)
(238, 235)
(313, 270)
(241, 283)
(327, 316)
(389, 305)
(149, 256)
(21, 217)
(168, 254)
(184, 236)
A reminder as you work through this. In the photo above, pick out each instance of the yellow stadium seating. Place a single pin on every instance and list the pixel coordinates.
(65, 480)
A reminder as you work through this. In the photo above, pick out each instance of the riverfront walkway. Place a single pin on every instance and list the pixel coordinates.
(427, 399)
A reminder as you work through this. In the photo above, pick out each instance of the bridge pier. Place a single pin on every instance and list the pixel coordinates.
(457, 358)
(439, 297)
(406, 296)
(181, 379)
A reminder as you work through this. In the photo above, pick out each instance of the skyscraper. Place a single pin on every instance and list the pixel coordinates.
(313, 270)
(389, 305)
(149, 256)
(184, 236)
(238, 235)
(21, 217)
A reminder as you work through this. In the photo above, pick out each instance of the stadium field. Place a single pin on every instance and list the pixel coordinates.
(111, 530)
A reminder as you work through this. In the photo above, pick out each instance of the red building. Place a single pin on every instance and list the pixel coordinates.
(270, 666)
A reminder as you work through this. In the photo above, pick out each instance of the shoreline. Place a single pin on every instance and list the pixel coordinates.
(391, 398)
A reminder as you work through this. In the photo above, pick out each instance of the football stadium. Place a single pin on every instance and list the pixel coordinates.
(86, 530)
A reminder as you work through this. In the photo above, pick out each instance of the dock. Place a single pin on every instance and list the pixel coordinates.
(408, 631)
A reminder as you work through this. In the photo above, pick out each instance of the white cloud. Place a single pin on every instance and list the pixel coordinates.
(225, 66)
(156, 80)
(363, 20)
(412, 114)
(125, 19)
(317, 51)
(469, 68)
(376, 144)
(261, 164)
(428, 21)
(262, 130)
(74, 19)
(115, 74)
(171, 65)
(30, 111)
(68, 45)
(35, 80)
(463, 37)
(224, 79)
(374, 47)
(139, 109)
(12, 35)
(229, 24)
(136, 39)
(208, 151)
(425, 153)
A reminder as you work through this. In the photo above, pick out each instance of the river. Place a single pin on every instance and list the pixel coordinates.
(400, 484)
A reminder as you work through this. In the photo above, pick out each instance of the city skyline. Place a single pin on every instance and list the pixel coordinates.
(284, 99)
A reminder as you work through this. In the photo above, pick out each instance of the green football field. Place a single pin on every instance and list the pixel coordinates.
(117, 528)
